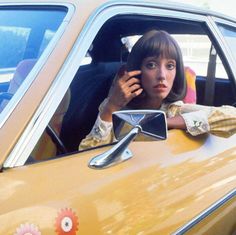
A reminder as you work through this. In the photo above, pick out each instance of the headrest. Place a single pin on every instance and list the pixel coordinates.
(191, 94)
(22, 70)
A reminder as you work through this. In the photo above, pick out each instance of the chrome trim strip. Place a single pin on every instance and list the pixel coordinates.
(61, 83)
(223, 21)
(4, 115)
(162, 8)
(205, 213)
(169, 5)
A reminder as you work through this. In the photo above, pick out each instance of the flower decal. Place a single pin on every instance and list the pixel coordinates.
(27, 229)
(66, 222)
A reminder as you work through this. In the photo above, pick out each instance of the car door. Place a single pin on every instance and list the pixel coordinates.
(163, 186)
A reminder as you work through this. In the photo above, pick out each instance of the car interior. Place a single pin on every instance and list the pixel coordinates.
(92, 81)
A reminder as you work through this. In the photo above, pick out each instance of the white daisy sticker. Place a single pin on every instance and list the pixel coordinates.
(27, 229)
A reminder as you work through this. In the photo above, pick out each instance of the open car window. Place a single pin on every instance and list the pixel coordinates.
(25, 33)
(78, 110)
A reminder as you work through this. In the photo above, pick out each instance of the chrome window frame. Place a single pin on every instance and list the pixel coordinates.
(48, 106)
(199, 218)
(4, 115)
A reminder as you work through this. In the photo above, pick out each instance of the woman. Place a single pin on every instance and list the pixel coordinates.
(154, 79)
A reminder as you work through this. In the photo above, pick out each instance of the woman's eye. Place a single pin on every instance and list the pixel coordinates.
(170, 66)
(151, 65)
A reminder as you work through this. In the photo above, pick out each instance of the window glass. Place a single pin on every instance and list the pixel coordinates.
(230, 36)
(196, 50)
(48, 35)
(91, 83)
(24, 35)
(12, 45)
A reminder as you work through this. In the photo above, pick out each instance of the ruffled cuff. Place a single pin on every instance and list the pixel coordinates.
(101, 129)
(196, 122)
(222, 121)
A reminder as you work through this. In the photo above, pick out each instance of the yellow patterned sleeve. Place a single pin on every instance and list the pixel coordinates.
(199, 119)
(173, 109)
(222, 121)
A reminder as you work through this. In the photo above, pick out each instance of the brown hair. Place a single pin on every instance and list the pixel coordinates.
(160, 44)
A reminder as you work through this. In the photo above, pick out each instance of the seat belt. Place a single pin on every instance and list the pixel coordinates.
(210, 79)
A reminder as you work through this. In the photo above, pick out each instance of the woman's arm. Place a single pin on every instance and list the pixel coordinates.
(176, 122)
(199, 119)
(124, 88)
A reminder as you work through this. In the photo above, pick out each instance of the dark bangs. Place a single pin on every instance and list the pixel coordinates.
(154, 43)
(162, 47)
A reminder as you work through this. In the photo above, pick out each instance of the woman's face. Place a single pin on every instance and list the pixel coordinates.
(157, 77)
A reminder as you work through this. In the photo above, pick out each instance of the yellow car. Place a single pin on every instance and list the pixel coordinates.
(57, 62)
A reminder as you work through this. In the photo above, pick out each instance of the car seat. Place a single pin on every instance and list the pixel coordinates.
(191, 94)
(22, 70)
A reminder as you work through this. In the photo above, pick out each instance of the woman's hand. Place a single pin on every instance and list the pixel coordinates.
(124, 88)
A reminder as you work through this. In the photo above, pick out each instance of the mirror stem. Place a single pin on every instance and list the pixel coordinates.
(118, 153)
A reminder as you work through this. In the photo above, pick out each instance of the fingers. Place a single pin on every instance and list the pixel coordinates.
(128, 75)
(128, 93)
(137, 92)
(125, 88)
(132, 92)
(133, 81)
(134, 87)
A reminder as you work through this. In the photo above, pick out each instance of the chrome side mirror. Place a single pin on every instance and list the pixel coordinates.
(151, 123)
(148, 122)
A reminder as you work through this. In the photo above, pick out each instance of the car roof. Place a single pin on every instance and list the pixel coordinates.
(94, 4)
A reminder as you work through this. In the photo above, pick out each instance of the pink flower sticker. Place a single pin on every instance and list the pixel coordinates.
(27, 229)
(66, 222)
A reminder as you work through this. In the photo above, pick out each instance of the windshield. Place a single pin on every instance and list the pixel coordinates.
(25, 32)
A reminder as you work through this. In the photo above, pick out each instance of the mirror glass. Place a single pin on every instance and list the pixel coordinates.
(152, 123)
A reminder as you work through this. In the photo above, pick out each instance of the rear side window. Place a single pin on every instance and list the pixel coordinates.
(230, 36)
(25, 33)
(196, 50)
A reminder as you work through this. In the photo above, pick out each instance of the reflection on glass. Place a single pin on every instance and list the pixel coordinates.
(230, 36)
(24, 35)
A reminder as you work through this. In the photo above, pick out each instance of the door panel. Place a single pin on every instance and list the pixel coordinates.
(175, 179)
